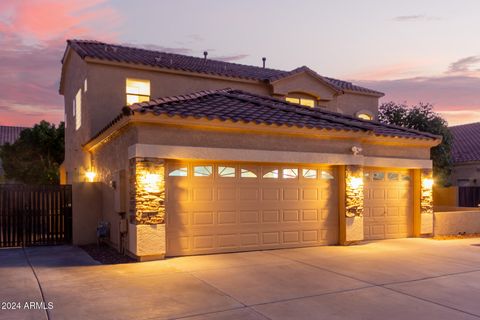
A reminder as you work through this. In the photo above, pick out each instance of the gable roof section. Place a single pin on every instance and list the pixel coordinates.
(9, 134)
(466, 143)
(125, 54)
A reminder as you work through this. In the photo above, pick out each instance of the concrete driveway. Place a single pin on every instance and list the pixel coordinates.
(393, 279)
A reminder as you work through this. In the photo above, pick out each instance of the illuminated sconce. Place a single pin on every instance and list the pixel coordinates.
(356, 182)
(90, 175)
(427, 183)
(150, 182)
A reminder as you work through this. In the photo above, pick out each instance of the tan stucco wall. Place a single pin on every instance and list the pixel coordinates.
(305, 83)
(87, 212)
(171, 135)
(351, 103)
(109, 160)
(469, 173)
(76, 161)
(454, 222)
(445, 196)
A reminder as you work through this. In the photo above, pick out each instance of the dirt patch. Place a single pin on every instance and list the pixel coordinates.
(106, 254)
(457, 236)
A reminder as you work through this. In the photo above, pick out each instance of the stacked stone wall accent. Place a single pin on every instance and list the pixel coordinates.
(354, 191)
(426, 198)
(147, 195)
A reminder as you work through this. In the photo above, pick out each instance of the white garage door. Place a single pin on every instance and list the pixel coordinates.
(225, 207)
(388, 204)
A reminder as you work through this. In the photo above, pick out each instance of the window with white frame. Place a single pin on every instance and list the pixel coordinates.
(137, 91)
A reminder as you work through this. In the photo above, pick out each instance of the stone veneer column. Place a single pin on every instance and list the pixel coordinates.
(147, 238)
(426, 201)
(350, 203)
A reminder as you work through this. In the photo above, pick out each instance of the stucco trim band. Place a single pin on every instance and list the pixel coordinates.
(230, 154)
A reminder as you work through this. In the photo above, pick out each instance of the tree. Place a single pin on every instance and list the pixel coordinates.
(422, 117)
(36, 156)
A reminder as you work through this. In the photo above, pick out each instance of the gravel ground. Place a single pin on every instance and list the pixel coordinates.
(106, 254)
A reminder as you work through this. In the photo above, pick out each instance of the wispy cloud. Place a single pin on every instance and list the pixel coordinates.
(32, 41)
(415, 18)
(465, 66)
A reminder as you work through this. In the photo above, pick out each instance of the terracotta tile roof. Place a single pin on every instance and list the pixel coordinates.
(9, 134)
(466, 143)
(241, 106)
(120, 53)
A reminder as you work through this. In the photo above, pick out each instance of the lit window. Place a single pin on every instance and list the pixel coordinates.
(202, 171)
(326, 175)
(137, 91)
(310, 173)
(85, 86)
(392, 176)
(226, 172)
(244, 173)
(290, 173)
(304, 102)
(78, 109)
(273, 174)
(180, 172)
(378, 176)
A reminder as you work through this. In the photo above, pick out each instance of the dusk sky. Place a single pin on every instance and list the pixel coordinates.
(413, 51)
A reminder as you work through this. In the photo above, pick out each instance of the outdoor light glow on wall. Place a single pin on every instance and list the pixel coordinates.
(354, 191)
(427, 183)
(356, 182)
(90, 175)
(150, 182)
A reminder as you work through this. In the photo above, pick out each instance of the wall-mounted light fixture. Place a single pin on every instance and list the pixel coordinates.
(90, 175)
(150, 182)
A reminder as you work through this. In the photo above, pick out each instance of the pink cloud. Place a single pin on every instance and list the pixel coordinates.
(32, 42)
(456, 97)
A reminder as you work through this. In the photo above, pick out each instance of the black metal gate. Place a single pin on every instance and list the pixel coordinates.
(35, 215)
(468, 196)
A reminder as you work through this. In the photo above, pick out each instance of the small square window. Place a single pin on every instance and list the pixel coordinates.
(245, 173)
(290, 173)
(272, 174)
(180, 172)
(137, 90)
(202, 171)
(226, 172)
(309, 173)
(378, 175)
(393, 176)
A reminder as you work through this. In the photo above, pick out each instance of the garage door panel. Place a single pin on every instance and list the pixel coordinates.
(225, 214)
(388, 206)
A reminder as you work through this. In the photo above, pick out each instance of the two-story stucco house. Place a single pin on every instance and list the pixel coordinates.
(206, 156)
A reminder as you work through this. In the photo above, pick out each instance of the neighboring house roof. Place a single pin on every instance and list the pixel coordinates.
(241, 106)
(9, 134)
(120, 53)
(466, 143)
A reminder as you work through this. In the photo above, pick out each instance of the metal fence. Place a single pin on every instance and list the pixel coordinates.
(468, 196)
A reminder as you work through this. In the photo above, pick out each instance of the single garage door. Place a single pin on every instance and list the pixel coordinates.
(388, 204)
(226, 207)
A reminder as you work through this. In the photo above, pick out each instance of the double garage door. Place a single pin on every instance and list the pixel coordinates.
(226, 207)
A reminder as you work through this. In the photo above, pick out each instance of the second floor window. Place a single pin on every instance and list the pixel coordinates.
(137, 91)
(303, 101)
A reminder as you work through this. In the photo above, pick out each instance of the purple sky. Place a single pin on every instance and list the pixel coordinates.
(412, 50)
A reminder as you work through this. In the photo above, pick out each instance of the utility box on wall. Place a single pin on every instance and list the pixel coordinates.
(120, 190)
